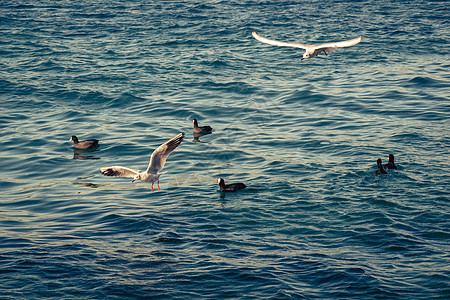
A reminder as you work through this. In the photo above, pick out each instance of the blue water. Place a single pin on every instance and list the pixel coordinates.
(304, 136)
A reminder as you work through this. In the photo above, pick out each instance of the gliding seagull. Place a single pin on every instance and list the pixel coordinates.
(310, 50)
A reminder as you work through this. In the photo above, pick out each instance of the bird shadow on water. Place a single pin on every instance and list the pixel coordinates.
(86, 184)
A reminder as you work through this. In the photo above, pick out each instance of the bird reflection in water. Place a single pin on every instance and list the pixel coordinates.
(197, 137)
(84, 154)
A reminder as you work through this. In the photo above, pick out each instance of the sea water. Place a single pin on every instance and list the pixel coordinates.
(304, 136)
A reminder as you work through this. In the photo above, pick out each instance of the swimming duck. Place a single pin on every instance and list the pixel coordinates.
(83, 144)
(380, 169)
(232, 187)
(390, 164)
(201, 129)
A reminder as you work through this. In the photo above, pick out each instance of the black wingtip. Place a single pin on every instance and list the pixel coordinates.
(175, 141)
(110, 172)
(181, 136)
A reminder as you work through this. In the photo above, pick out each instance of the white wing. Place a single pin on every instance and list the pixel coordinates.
(159, 156)
(340, 44)
(119, 171)
(278, 43)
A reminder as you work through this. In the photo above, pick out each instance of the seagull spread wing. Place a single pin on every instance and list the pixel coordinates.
(327, 48)
(340, 44)
(159, 156)
(278, 43)
(119, 171)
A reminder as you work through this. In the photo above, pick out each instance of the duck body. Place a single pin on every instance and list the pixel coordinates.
(232, 187)
(201, 129)
(83, 144)
(380, 169)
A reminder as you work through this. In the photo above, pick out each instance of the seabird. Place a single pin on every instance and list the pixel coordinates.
(157, 161)
(232, 187)
(390, 164)
(83, 144)
(380, 169)
(310, 50)
(201, 129)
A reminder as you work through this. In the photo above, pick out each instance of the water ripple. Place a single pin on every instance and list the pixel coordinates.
(304, 136)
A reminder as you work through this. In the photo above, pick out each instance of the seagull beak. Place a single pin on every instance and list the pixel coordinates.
(303, 58)
(133, 180)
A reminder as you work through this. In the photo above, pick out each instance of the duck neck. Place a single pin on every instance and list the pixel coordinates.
(222, 184)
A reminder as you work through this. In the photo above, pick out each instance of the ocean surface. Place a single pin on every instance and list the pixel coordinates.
(304, 136)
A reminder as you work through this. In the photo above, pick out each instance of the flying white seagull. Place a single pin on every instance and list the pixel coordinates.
(310, 50)
(157, 161)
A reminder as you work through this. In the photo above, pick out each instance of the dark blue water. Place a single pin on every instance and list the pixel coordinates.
(304, 136)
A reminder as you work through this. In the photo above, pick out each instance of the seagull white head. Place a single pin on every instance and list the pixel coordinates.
(137, 177)
(306, 55)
